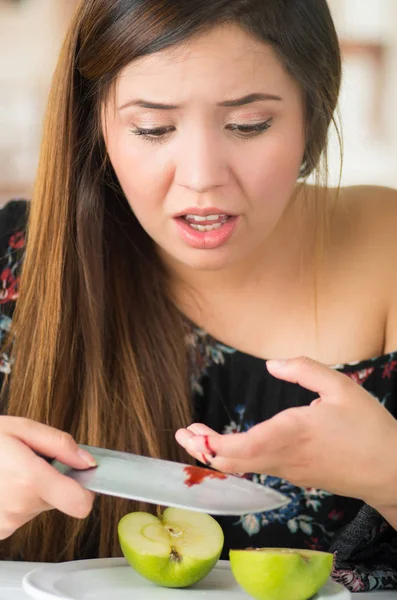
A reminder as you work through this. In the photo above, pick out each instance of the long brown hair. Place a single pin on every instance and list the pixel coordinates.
(97, 341)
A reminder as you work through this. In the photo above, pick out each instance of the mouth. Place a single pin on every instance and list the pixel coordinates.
(206, 228)
(205, 223)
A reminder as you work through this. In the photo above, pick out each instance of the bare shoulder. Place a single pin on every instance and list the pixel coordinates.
(365, 208)
(364, 230)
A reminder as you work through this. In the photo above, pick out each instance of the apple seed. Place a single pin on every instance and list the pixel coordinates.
(174, 531)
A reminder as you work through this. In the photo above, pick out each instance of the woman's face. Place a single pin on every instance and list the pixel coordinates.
(207, 139)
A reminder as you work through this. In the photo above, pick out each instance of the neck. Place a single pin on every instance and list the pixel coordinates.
(279, 256)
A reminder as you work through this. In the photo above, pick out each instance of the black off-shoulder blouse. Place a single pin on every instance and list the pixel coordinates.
(231, 391)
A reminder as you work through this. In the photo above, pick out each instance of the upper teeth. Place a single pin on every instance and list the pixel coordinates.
(199, 218)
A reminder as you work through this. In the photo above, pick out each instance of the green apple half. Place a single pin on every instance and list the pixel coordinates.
(176, 550)
(280, 574)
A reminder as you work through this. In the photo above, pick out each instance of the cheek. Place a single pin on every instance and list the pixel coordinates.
(142, 172)
(271, 172)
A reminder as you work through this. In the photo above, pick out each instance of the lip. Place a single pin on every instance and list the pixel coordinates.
(203, 212)
(206, 240)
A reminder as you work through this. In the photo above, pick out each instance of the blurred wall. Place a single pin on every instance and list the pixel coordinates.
(31, 33)
(368, 34)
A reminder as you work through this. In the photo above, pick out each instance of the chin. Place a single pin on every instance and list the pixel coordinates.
(211, 260)
(208, 260)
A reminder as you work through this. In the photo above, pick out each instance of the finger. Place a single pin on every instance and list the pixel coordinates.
(238, 466)
(15, 520)
(201, 429)
(49, 441)
(309, 374)
(233, 466)
(208, 458)
(183, 435)
(236, 445)
(63, 493)
(36, 486)
(267, 438)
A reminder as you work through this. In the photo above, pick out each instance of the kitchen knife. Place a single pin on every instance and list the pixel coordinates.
(173, 484)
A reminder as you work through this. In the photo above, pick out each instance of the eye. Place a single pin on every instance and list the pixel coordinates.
(154, 135)
(249, 131)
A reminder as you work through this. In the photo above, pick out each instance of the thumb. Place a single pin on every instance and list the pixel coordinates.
(308, 373)
(49, 442)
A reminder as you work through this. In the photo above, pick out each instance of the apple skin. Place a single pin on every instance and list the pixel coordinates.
(161, 572)
(280, 574)
(155, 561)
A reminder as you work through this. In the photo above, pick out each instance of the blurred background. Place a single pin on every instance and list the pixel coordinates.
(31, 33)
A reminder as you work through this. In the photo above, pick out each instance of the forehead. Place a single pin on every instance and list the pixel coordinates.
(226, 61)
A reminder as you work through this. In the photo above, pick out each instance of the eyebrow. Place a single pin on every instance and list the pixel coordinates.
(250, 99)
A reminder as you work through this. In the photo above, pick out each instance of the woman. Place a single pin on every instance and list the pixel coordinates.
(170, 203)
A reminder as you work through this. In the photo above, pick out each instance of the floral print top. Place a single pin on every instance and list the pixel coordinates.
(232, 391)
(12, 243)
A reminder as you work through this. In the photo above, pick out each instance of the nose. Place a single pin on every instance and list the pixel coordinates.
(202, 163)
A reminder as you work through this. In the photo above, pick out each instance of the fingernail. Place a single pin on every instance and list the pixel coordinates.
(87, 458)
(276, 364)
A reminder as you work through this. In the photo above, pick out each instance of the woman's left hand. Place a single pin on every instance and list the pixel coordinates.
(345, 442)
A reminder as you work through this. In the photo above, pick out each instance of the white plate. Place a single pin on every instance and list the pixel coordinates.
(114, 579)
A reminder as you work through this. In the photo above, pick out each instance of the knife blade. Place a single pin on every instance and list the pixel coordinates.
(174, 484)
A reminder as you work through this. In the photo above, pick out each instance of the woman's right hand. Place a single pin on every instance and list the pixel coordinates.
(29, 485)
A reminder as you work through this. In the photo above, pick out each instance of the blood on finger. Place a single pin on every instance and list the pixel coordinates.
(207, 445)
(205, 460)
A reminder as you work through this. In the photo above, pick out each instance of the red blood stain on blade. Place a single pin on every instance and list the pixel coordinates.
(196, 475)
